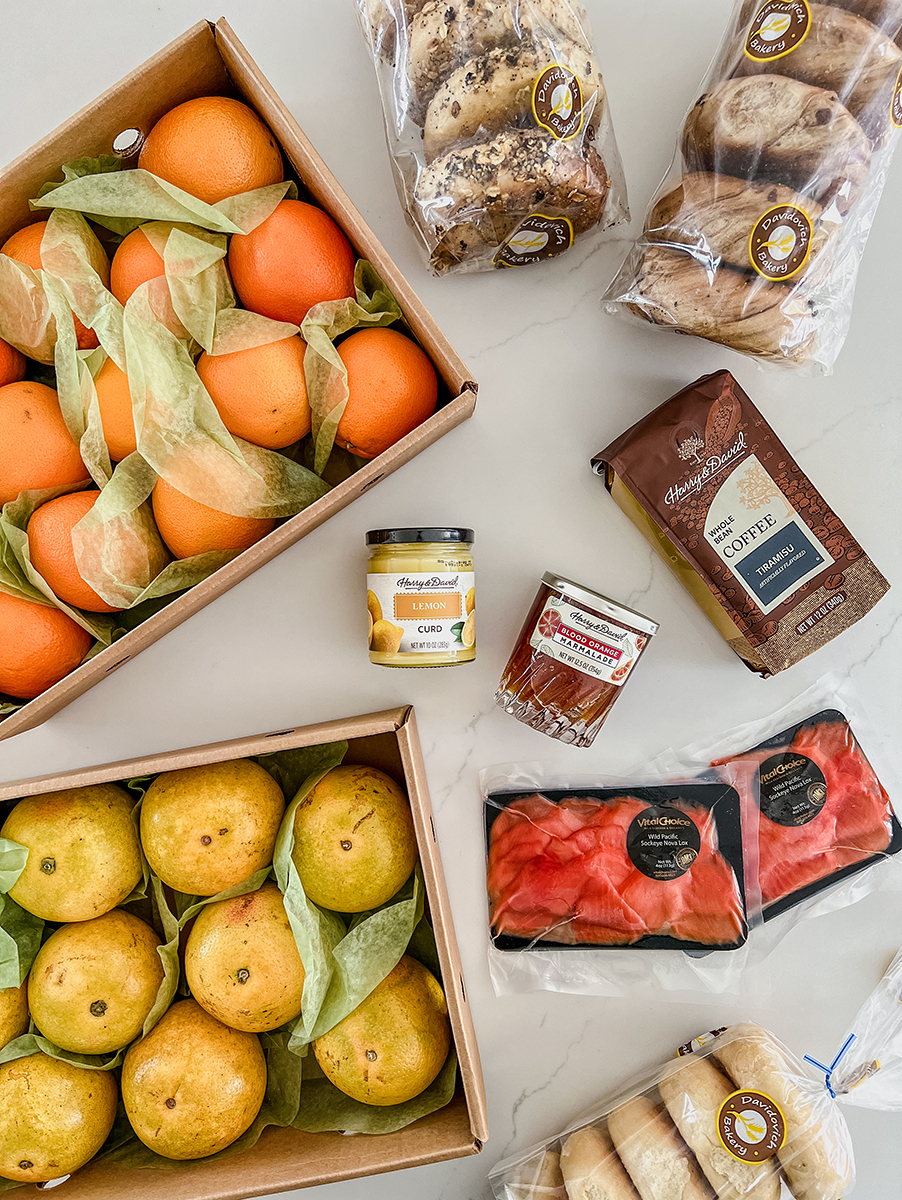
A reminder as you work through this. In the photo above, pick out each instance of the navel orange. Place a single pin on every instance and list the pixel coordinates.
(25, 247)
(293, 260)
(36, 448)
(52, 554)
(188, 527)
(116, 413)
(392, 388)
(260, 393)
(134, 262)
(38, 646)
(212, 147)
(12, 364)
(394, 1043)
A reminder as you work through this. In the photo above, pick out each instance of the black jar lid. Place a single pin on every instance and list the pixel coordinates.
(382, 537)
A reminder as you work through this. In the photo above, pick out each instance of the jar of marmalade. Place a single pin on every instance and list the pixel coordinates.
(574, 654)
(421, 597)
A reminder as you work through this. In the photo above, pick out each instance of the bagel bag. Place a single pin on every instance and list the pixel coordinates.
(498, 127)
(753, 239)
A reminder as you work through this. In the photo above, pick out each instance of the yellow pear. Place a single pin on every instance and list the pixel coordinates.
(206, 828)
(242, 963)
(192, 1085)
(93, 983)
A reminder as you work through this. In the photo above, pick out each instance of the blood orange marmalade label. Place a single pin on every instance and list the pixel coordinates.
(587, 643)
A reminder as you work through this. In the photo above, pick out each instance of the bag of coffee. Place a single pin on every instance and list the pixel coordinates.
(715, 491)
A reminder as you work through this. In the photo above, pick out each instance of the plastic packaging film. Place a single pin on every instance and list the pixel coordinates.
(735, 1116)
(754, 237)
(498, 127)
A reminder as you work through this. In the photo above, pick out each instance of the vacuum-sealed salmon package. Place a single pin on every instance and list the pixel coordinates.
(498, 126)
(754, 237)
(587, 874)
(825, 818)
(734, 1115)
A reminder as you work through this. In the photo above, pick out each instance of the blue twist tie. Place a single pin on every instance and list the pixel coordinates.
(828, 1071)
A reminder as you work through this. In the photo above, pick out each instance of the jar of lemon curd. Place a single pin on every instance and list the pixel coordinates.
(421, 597)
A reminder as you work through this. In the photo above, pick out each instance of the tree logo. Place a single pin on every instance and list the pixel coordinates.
(779, 27)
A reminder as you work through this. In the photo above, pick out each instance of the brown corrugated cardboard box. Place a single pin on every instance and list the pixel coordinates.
(286, 1158)
(209, 59)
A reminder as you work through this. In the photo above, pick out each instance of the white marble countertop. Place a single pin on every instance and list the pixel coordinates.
(558, 379)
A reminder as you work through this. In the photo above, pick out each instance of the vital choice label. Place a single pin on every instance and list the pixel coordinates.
(430, 608)
(587, 643)
(758, 534)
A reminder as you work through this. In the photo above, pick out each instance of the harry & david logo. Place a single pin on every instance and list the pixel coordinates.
(780, 242)
(779, 27)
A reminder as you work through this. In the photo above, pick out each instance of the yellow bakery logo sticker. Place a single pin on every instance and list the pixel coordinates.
(751, 1126)
(557, 102)
(779, 27)
(537, 238)
(780, 242)
(895, 110)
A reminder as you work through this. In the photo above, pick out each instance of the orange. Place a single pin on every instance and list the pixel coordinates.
(394, 1043)
(392, 388)
(188, 527)
(12, 364)
(38, 646)
(36, 448)
(294, 259)
(261, 393)
(52, 554)
(25, 247)
(212, 147)
(116, 414)
(134, 262)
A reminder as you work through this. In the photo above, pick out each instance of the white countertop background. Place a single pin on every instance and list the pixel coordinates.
(558, 379)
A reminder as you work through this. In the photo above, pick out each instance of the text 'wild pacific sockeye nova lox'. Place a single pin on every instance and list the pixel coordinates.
(714, 490)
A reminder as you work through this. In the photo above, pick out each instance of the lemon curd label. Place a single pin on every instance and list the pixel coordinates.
(423, 612)
(588, 643)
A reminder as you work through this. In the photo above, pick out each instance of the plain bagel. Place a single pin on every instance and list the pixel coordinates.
(495, 92)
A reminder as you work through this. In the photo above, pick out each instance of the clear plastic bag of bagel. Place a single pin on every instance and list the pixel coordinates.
(498, 127)
(753, 239)
(734, 1114)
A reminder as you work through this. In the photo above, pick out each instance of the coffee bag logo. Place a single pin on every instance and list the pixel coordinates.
(895, 111)
(751, 1126)
(779, 27)
(557, 102)
(536, 238)
(780, 242)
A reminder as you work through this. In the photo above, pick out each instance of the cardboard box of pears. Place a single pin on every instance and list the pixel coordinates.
(182, 438)
(194, 1003)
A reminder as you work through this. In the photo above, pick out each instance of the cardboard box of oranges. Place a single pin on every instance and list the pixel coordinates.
(209, 61)
(286, 1157)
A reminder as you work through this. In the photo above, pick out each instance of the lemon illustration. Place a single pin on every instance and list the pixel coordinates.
(468, 633)
(470, 600)
(372, 603)
(386, 638)
(369, 632)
